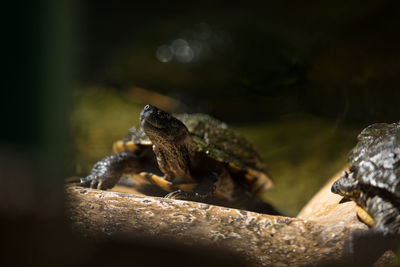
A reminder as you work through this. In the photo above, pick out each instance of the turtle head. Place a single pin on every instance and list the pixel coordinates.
(347, 184)
(162, 127)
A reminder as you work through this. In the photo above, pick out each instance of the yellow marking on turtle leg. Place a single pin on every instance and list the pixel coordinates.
(118, 147)
(130, 146)
(261, 181)
(187, 187)
(365, 217)
(234, 167)
(250, 175)
(157, 180)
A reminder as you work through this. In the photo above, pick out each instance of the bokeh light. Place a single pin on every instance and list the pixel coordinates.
(194, 45)
(164, 53)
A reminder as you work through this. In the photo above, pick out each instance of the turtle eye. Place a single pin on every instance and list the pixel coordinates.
(147, 107)
(353, 168)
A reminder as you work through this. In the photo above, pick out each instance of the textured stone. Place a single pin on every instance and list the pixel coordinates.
(263, 240)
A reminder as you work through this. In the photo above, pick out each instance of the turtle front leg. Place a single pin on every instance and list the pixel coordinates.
(107, 172)
(159, 181)
(201, 191)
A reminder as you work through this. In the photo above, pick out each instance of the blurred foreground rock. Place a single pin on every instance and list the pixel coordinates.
(317, 236)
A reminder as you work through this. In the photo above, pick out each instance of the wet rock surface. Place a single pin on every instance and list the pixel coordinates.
(263, 240)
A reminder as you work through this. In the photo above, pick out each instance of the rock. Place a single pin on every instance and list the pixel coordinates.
(263, 240)
(325, 208)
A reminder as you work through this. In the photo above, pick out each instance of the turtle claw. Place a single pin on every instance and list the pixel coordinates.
(202, 191)
(84, 182)
(92, 181)
(183, 195)
(97, 182)
(106, 172)
(89, 181)
(100, 185)
(178, 194)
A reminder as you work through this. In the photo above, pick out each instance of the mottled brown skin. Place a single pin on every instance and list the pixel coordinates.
(172, 144)
(186, 168)
(175, 151)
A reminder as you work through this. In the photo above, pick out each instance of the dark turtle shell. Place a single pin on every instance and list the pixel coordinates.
(376, 157)
(218, 141)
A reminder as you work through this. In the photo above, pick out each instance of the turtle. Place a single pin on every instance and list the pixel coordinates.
(373, 183)
(186, 156)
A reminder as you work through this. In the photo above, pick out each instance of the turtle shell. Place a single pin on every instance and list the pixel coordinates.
(376, 157)
(220, 142)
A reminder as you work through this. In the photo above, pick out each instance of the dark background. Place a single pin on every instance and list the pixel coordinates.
(284, 73)
(335, 59)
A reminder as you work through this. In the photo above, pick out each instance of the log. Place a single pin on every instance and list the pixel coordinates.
(263, 240)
